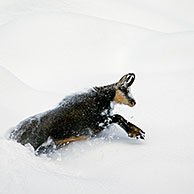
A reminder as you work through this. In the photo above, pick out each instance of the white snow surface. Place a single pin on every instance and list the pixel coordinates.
(50, 49)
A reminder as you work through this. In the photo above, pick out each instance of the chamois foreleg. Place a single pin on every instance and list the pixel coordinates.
(131, 129)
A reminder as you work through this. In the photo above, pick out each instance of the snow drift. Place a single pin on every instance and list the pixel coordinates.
(50, 49)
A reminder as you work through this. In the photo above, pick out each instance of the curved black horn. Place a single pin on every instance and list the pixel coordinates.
(126, 81)
(130, 79)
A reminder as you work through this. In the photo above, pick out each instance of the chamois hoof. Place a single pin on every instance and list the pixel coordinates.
(136, 132)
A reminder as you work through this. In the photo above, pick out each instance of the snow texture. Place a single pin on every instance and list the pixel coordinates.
(51, 49)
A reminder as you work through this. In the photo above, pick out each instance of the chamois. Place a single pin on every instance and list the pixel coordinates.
(78, 117)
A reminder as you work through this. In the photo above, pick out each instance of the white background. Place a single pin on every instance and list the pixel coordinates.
(50, 49)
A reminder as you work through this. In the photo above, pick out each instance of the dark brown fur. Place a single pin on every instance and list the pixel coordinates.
(78, 117)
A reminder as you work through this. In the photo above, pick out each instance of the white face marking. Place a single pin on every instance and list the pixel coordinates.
(129, 93)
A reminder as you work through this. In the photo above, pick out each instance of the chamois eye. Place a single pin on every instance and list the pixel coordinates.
(123, 89)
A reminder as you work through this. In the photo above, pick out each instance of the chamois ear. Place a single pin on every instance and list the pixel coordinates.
(126, 81)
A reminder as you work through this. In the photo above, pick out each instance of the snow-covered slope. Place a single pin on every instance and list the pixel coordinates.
(66, 46)
(164, 16)
(113, 163)
(81, 47)
(15, 95)
(46, 45)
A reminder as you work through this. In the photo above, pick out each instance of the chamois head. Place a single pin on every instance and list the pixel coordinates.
(123, 91)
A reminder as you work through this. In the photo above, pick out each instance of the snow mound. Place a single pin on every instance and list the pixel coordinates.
(15, 94)
(44, 45)
(65, 46)
(165, 16)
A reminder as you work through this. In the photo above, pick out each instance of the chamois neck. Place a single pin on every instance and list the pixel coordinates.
(111, 87)
(107, 91)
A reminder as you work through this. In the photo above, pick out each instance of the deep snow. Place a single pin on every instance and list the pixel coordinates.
(57, 48)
